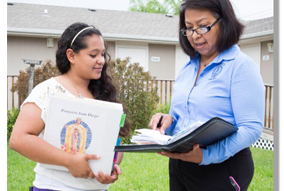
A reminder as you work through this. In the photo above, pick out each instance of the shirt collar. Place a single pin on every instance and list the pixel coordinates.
(228, 54)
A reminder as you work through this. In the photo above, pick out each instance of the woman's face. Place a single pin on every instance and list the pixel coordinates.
(89, 62)
(78, 121)
(205, 44)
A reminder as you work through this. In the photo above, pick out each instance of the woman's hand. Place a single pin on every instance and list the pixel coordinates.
(195, 155)
(79, 167)
(107, 179)
(166, 121)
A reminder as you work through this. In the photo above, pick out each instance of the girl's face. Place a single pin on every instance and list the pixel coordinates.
(88, 63)
(205, 44)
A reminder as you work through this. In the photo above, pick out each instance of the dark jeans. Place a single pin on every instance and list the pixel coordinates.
(186, 176)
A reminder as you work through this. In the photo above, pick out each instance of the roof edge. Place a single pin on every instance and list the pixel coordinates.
(139, 38)
(257, 34)
(28, 32)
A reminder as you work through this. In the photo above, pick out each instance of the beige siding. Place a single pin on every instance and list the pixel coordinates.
(19, 48)
(111, 49)
(253, 51)
(165, 68)
(266, 63)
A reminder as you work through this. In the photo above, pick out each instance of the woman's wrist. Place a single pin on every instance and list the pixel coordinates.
(172, 118)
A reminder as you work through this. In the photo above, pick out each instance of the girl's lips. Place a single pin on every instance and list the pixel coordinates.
(98, 69)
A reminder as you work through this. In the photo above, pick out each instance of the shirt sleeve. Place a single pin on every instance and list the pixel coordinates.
(247, 100)
(41, 93)
(169, 130)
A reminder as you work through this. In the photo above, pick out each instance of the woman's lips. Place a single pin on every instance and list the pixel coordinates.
(199, 45)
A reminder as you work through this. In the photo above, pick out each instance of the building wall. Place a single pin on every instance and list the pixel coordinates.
(137, 52)
(266, 63)
(253, 51)
(162, 61)
(111, 49)
(181, 59)
(19, 48)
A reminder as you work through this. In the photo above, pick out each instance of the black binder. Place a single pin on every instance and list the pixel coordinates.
(210, 132)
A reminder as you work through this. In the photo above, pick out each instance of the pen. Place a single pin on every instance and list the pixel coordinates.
(160, 121)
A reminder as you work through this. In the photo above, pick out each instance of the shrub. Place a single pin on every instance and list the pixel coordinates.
(134, 88)
(46, 71)
(11, 119)
(135, 91)
(163, 108)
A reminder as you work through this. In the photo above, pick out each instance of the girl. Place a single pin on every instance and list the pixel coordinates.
(82, 59)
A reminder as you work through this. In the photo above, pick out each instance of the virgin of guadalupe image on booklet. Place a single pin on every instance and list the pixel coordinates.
(76, 137)
(83, 126)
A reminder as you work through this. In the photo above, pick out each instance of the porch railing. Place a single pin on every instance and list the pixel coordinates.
(164, 90)
(268, 116)
(13, 99)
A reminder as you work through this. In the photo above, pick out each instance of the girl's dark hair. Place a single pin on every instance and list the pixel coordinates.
(230, 28)
(102, 88)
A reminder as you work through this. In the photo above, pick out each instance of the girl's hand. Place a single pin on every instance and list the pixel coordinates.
(107, 179)
(166, 121)
(79, 167)
(195, 155)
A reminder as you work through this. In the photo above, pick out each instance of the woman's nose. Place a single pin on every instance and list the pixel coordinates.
(195, 35)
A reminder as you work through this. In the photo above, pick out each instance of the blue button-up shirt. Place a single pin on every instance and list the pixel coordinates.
(231, 88)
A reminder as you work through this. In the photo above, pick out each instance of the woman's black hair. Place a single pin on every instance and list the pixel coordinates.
(231, 28)
(102, 88)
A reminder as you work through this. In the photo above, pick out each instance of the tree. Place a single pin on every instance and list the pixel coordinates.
(173, 6)
(155, 6)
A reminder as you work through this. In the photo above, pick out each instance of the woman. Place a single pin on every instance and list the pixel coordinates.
(82, 59)
(218, 81)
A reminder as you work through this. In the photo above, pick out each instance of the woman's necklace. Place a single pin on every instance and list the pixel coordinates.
(79, 95)
(203, 64)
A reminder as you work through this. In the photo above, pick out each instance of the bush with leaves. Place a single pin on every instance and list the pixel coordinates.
(42, 73)
(136, 90)
(11, 119)
(163, 108)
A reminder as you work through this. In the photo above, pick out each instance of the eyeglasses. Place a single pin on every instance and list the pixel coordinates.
(200, 30)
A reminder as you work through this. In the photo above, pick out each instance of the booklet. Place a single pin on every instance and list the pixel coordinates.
(204, 134)
(82, 125)
(148, 136)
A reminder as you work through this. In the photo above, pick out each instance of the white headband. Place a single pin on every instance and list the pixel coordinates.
(80, 33)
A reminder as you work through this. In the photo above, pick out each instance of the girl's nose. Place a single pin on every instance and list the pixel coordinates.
(101, 60)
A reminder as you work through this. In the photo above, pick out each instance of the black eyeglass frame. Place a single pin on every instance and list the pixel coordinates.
(208, 28)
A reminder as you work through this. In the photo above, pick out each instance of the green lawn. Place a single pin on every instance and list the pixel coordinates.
(139, 172)
(20, 174)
